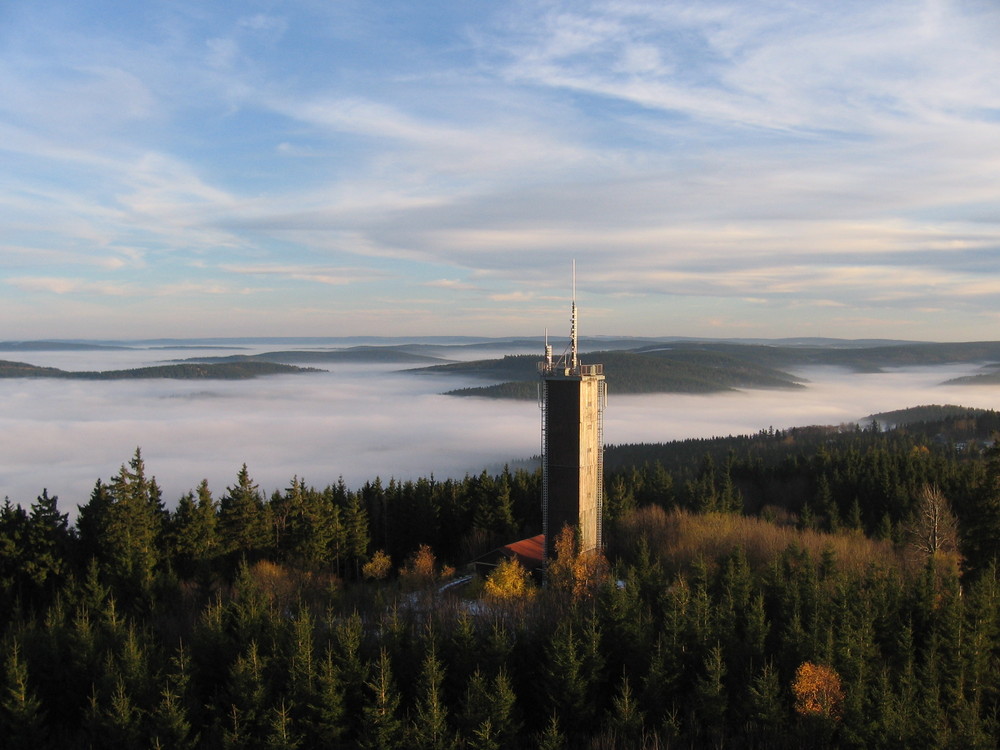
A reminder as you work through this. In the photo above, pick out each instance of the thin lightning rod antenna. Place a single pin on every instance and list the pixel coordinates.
(572, 325)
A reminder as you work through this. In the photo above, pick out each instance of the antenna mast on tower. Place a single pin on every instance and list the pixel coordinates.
(572, 398)
(572, 325)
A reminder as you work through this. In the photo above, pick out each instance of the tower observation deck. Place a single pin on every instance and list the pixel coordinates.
(572, 397)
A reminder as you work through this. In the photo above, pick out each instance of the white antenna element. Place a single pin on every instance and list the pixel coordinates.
(572, 324)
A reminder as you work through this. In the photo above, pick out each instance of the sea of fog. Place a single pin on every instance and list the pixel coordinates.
(360, 421)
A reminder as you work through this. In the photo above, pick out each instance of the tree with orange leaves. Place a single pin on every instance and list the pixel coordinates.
(817, 691)
(575, 572)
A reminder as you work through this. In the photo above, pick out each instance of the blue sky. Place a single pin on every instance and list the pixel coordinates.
(311, 168)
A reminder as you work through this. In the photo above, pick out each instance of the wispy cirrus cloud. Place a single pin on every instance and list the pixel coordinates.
(755, 156)
(57, 285)
(319, 275)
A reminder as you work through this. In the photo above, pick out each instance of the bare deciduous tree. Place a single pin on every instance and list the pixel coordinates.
(933, 528)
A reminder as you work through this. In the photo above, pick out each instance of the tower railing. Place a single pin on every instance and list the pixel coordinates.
(561, 369)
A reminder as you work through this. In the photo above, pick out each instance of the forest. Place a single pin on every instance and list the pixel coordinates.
(815, 587)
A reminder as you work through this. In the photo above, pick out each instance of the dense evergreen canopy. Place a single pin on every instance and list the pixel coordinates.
(777, 590)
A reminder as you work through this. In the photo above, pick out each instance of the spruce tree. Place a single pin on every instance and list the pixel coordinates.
(133, 534)
(627, 719)
(243, 525)
(429, 728)
(47, 544)
(326, 721)
(194, 533)
(383, 727)
(22, 721)
(552, 737)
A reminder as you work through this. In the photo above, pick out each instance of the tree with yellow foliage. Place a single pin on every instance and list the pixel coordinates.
(378, 567)
(509, 580)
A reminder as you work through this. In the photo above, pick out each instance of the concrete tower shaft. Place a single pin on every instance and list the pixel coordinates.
(572, 399)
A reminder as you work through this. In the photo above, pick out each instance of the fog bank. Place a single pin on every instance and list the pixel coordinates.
(363, 421)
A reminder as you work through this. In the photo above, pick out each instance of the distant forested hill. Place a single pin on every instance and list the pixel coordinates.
(221, 371)
(661, 371)
(990, 377)
(712, 366)
(934, 414)
(56, 346)
(859, 358)
(373, 354)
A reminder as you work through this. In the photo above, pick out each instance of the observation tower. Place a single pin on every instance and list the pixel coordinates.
(572, 397)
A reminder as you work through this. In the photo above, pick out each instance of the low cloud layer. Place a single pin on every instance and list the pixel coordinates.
(360, 422)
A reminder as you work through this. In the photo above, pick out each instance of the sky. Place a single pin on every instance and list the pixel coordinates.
(741, 168)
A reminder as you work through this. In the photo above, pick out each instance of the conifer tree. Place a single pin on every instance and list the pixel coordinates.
(282, 735)
(730, 497)
(627, 718)
(827, 504)
(47, 543)
(114, 721)
(552, 737)
(13, 531)
(504, 710)
(356, 533)
(564, 675)
(383, 727)
(475, 704)
(169, 724)
(660, 678)
(91, 523)
(22, 721)
(488, 711)
(310, 532)
(132, 536)
(170, 721)
(619, 501)
(504, 523)
(325, 713)
(710, 699)
(246, 698)
(301, 663)
(194, 533)
(764, 707)
(429, 728)
(243, 525)
(352, 669)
